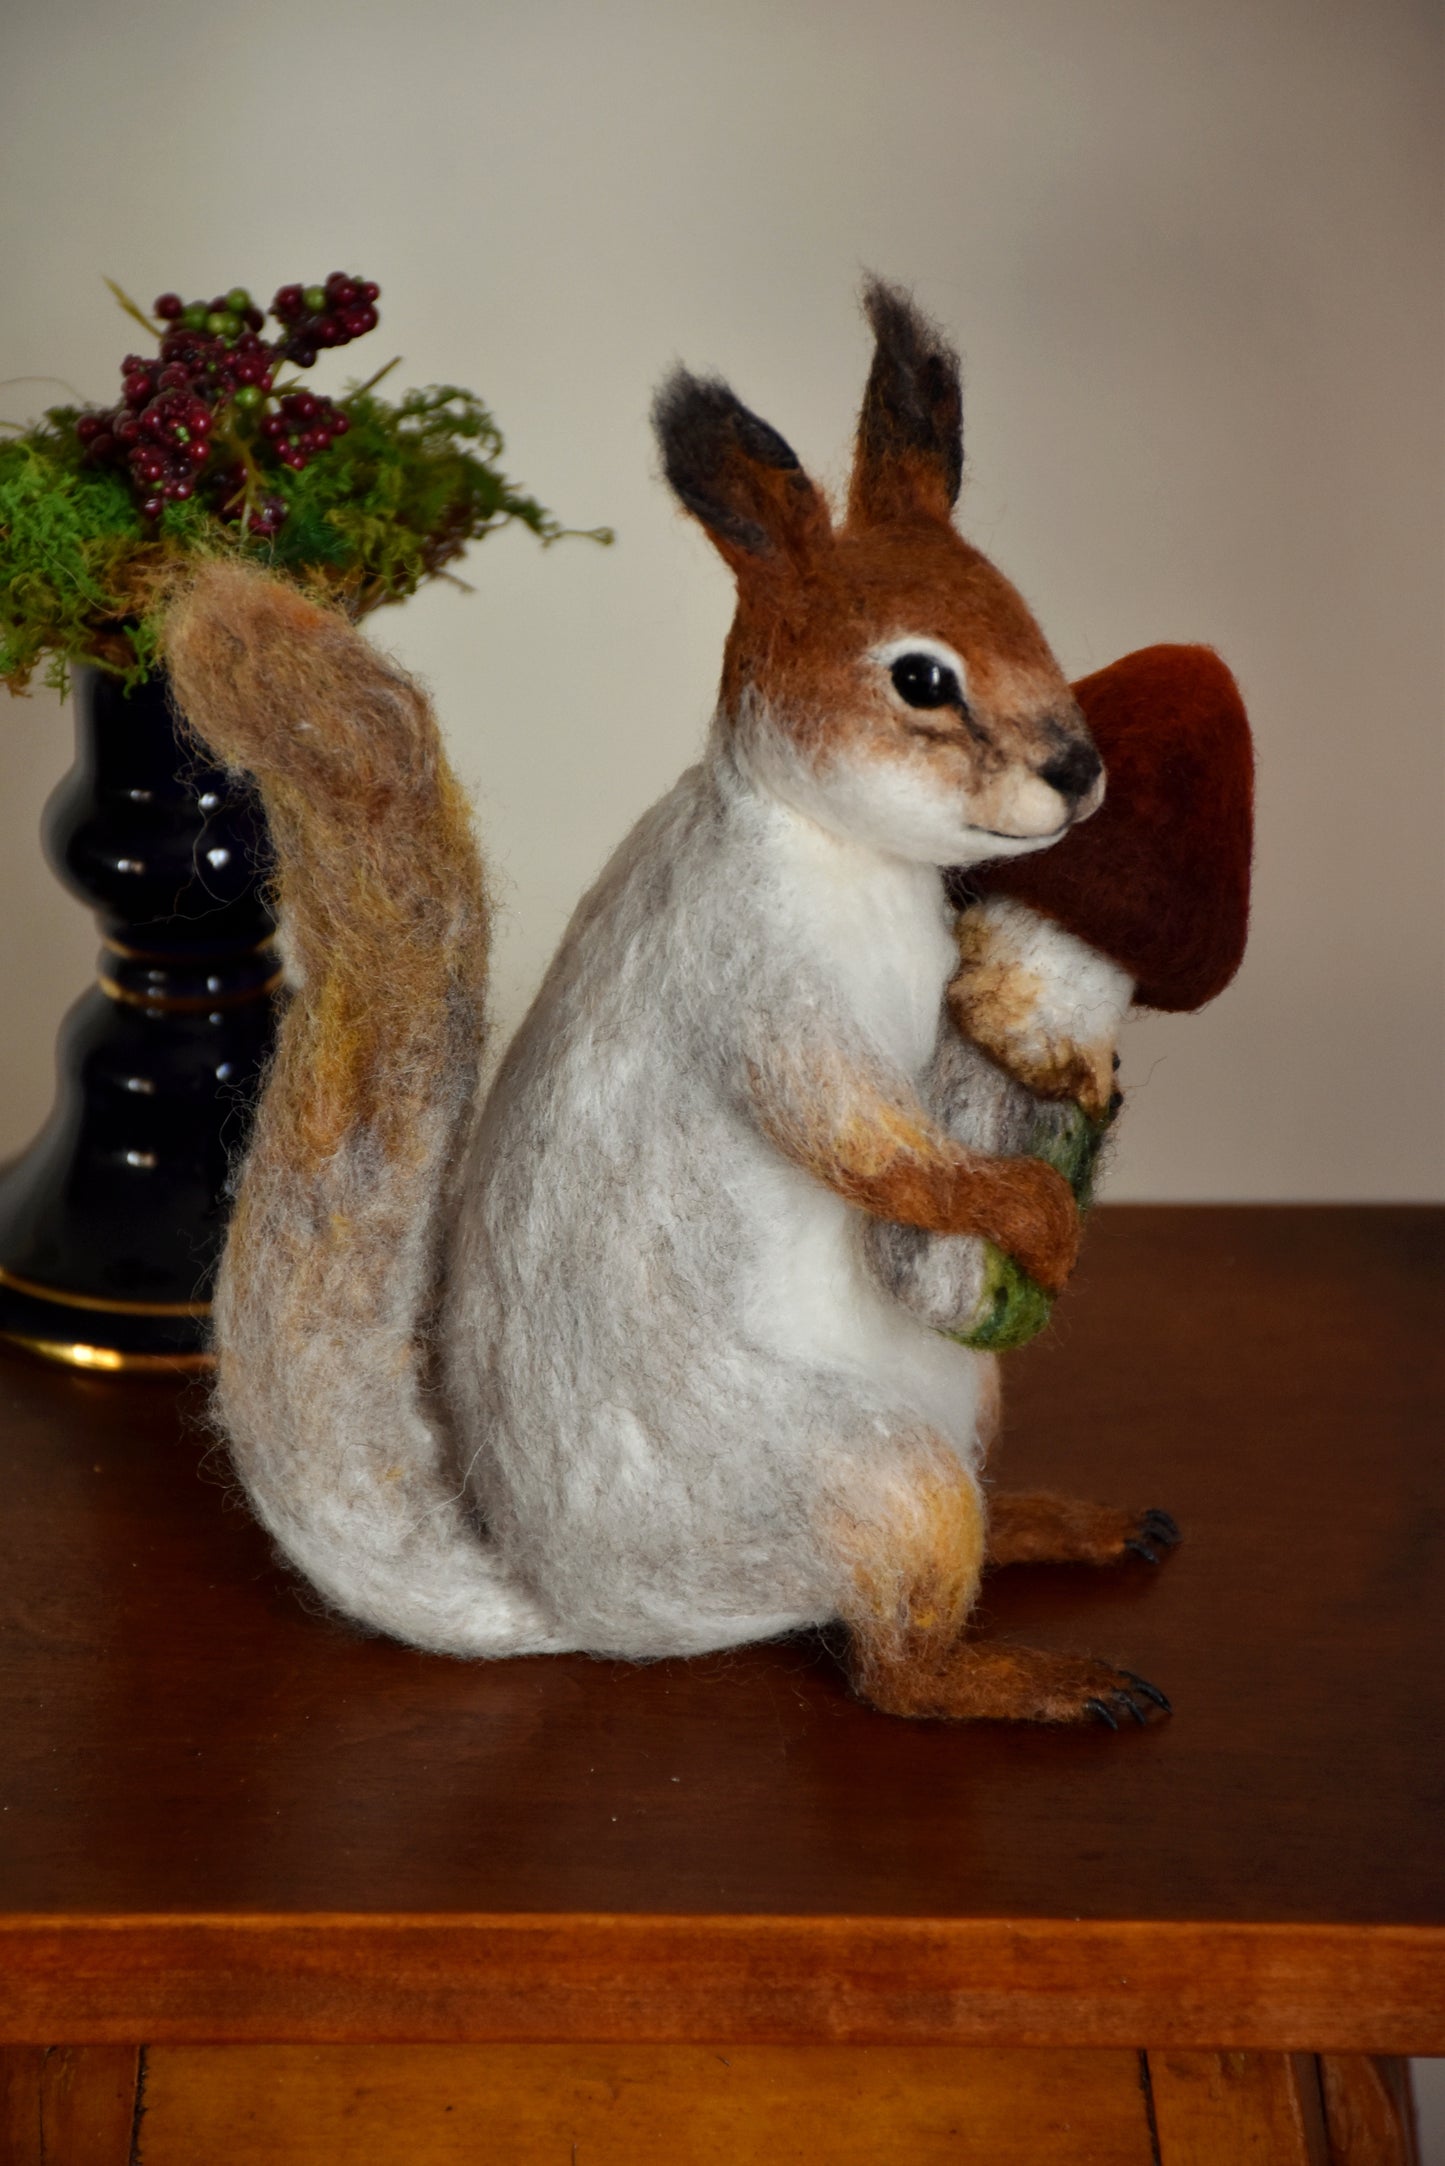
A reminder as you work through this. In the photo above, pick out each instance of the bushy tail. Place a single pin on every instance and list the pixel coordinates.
(331, 1264)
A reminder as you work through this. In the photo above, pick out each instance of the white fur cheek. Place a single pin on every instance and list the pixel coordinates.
(897, 808)
(887, 805)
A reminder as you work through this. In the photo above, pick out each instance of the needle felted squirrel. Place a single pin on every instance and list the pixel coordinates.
(627, 1357)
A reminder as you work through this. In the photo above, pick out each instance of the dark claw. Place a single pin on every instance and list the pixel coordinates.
(1150, 1692)
(1134, 1709)
(1141, 1548)
(1101, 1713)
(1162, 1527)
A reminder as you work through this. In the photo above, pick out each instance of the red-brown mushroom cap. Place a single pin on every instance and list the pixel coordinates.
(1158, 879)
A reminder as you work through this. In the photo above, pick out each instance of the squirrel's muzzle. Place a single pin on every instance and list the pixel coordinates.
(1073, 771)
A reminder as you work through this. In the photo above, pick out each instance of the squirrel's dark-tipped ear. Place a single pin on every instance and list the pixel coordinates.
(909, 456)
(736, 474)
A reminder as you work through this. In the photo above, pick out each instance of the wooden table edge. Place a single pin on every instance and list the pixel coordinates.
(574, 1978)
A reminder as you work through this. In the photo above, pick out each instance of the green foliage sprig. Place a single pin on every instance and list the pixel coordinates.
(85, 566)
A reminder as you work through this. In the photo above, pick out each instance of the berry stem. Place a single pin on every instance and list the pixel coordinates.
(131, 309)
(228, 439)
(358, 390)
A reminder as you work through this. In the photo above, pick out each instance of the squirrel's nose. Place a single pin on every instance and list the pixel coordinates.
(1074, 771)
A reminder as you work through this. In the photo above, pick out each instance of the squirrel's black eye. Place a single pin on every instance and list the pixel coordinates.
(924, 681)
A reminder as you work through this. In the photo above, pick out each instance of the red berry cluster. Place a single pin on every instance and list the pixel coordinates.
(330, 315)
(207, 410)
(302, 425)
(161, 431)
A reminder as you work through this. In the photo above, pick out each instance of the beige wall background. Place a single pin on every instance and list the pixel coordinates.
(1192, 255)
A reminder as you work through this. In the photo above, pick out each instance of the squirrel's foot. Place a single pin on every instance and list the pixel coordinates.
(991, 1683)
(1037, 1528)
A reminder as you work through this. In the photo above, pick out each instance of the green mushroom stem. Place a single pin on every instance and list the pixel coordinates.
(1013, 1308)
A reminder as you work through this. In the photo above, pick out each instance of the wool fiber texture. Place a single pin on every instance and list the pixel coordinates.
(1046, 1005)
(1025, 1072)
(662, 1329)
(330, 1266)
(648, 1352)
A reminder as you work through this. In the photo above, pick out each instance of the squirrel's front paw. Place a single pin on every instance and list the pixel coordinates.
(1032, 1216)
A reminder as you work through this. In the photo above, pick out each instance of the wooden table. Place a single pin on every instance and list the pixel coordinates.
(329, 1898)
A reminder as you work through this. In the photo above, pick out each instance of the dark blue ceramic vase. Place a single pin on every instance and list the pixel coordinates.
(111, 1223)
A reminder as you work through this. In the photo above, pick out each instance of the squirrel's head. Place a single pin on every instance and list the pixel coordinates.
(880, 675)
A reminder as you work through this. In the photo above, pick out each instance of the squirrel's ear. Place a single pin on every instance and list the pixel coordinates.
(909, 456)
(736, 475)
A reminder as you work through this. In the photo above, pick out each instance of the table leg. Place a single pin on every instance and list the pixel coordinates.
(1238, 2109)
(1369, 2110)
(69, 2105)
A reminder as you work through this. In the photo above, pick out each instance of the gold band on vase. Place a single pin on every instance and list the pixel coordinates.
(107, 1360)
(101, 1303)
(190, 1003)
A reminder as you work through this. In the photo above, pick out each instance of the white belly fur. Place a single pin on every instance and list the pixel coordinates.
(666, 1336)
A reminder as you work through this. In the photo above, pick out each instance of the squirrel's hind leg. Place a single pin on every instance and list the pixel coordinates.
(1036, 1527)
(908, 1529)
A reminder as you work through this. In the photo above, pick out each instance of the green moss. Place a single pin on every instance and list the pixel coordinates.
(389, 506)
